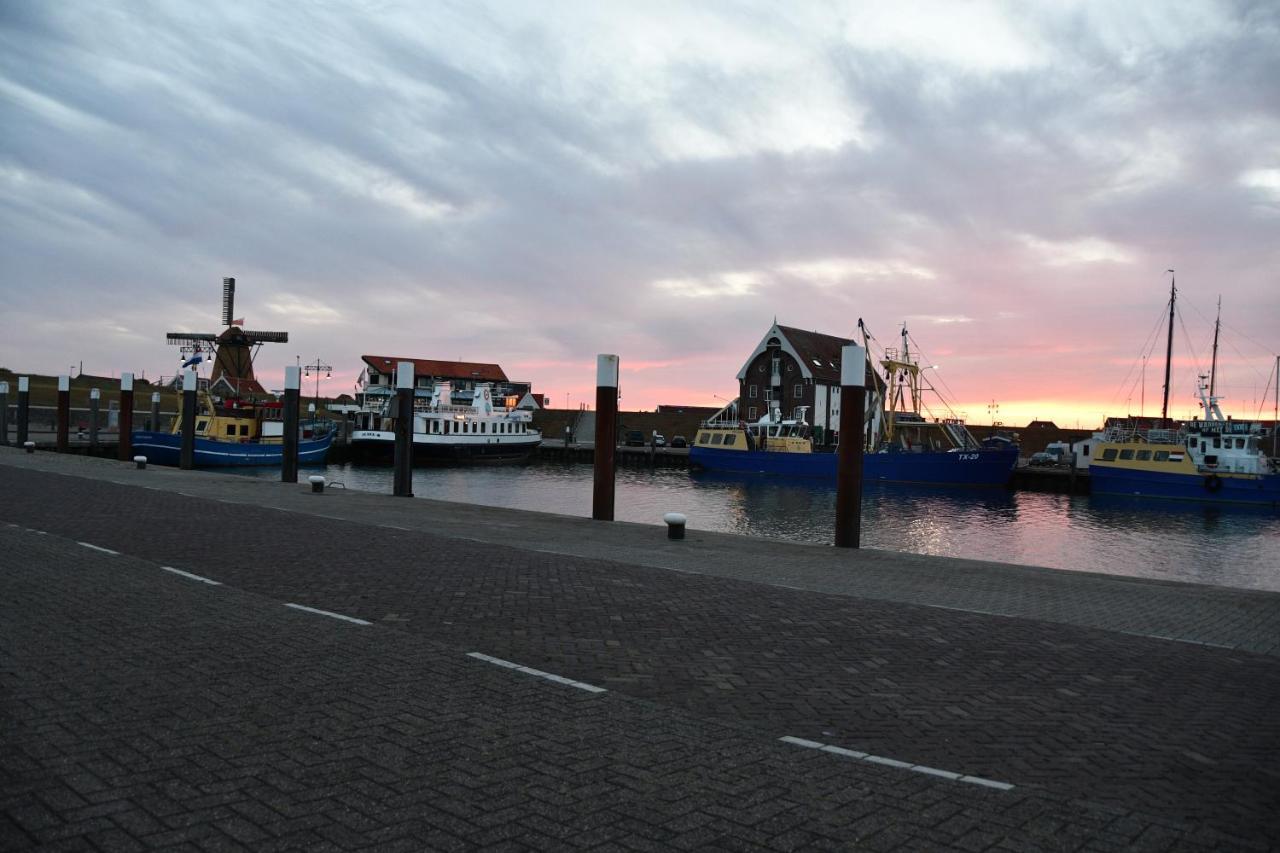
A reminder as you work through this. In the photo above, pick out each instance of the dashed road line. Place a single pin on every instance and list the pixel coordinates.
(327, 613)
(893, 762)
(99, 548)
(558, 679)
(191, 576)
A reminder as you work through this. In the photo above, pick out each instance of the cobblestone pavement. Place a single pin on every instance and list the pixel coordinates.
(1167, 736)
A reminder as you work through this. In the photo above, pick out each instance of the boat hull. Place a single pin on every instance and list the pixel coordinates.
(985, 467)
(367, 446)
(1263, 490)
(164, 448)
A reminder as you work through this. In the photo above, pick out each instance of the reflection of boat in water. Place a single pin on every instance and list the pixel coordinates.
(902, 445)
(1214, 460)
(234, 432)
(448, 426)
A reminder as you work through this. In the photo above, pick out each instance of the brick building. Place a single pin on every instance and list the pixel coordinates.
(792, 368)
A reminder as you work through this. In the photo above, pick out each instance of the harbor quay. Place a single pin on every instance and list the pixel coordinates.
(199, 661)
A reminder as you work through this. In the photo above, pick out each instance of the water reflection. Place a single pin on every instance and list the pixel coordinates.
(1235, 546)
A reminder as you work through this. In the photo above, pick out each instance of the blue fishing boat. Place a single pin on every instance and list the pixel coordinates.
(1215, 460)
(235, 432)
(900, 444)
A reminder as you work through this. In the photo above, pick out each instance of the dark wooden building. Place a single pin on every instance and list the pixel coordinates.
(793, 368)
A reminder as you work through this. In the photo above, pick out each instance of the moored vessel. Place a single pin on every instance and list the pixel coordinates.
(901, 445)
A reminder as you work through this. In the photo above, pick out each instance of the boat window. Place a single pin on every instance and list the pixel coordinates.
(244, 429)
(1109, 454)
(704, 438)
(1240, 444)
(1084, 450)
(202, 425)
(1144, 455)
(1162, 456)
(231, 429)
(730, 439)
(717, 438)
(1126, 454)
(484, 427)
(1217, 443)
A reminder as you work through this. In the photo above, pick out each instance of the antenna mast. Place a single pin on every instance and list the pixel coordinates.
(1168, 353)
(1213, 367)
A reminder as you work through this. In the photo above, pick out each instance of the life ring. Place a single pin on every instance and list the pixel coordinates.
(1212, 483)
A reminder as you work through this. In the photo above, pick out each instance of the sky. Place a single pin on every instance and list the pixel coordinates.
(532, 184)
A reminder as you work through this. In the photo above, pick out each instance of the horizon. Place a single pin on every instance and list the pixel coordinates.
(530, 186)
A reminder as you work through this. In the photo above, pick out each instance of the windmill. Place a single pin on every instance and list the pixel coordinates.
(236, 347)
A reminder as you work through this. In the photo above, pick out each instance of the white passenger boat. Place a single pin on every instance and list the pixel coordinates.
(448, 426)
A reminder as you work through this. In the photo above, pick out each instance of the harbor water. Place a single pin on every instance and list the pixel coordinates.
(1199, 543)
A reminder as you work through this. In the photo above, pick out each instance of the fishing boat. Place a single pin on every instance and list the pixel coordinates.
(901, 445)
(234, 431)
(448, 426)
(1215, 459)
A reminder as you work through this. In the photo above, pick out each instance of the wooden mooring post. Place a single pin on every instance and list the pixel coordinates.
(187, 453)
(853, 404)
(4, 414)
(24, 408)
(125, 418)
(403, 460)
(606, 437)
(64, 414)
(292, 392)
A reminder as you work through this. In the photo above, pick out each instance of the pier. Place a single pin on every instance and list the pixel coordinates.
(213, 660)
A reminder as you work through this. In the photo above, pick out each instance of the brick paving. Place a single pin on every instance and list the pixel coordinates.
(1113, 741)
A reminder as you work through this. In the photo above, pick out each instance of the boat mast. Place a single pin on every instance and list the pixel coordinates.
(1168, 353)
(1275, 412)
(1213, 366)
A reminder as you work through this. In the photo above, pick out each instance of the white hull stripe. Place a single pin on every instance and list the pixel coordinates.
(893, 762)
(328, 613)
(558, 679)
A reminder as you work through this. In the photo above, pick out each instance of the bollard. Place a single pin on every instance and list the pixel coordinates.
(140, 461)
(853, 404)
(606, 436)
(94, 397)
(24, 408)
(155, 411)
(289, 462)
(317, 483)
(63, 441)
(30, 446)
(187, 454)
(675, 525)
(4, 414)
(126, 417)
(403, 463)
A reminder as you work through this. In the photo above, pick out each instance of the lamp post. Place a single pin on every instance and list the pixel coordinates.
(315, 368)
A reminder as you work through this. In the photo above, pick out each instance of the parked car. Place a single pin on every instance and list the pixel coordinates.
(635, 438)
(659, 440)
(679, 441)
(1043, 458)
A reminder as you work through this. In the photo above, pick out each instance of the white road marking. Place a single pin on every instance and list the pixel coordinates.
(327, 613)
(558, 679)
(893, 762)
(193, 577)
(99, 548)
(397, 527)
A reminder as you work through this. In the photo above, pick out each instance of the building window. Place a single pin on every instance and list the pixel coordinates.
(751, 413)
(799, 391)
(751, 392)
(768, 394)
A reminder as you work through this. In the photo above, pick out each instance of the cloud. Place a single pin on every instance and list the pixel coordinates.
(535, 185)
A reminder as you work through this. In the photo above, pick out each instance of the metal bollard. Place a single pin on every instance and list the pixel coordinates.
(30, 446)
(675, 525)
(140, 461)
(317, 483)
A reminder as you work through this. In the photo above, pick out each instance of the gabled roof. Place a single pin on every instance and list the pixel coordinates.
(820, 353)
(468, 370)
